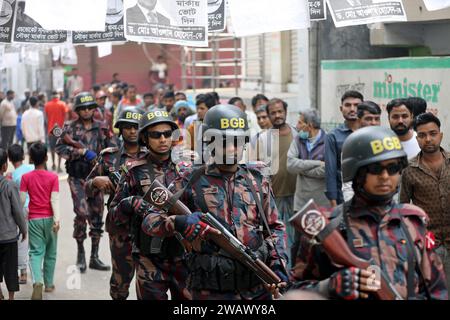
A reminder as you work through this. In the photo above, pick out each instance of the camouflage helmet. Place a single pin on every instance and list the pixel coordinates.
(129, 115)
(369, 145)
(152, 118)
(84, 99)
(226, 120)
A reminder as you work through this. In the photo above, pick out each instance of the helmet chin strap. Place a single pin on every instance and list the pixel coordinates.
(377, 199)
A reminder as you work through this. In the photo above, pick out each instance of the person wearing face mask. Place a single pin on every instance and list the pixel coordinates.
(305, 159)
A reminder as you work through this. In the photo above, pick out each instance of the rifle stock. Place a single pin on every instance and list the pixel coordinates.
(310, 221)
(159, 196)
(59, 133)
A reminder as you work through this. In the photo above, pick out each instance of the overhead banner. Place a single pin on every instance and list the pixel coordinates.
(182, 22)
(356, 12)
(70, 15)
(433, 5)
(251, 17)
(317, 10)
(216, 15)
(382, 80)
(26, 30)
(8, 10)
(114, 30)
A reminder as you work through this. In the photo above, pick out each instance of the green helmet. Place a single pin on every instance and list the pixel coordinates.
(84, 99)
(225, 120)
(369, 145)
(152, 118)
(129, 115)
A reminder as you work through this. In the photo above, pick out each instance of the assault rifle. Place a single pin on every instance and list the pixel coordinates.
(59, 133)
(160, 197)
(311, 222)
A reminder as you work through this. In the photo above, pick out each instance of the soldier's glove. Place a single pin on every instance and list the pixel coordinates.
(344, 284)
(90, 155)
(191, 227)
(135, 204)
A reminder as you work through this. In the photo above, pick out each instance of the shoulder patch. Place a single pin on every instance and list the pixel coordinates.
(135, 163)
(109, 150)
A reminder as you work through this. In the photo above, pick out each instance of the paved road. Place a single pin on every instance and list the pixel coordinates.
(71, 285)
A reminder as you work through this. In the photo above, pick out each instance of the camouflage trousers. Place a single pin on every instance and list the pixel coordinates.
(257, 293)
(87, 210)
(444, 254)
(155, 276)
(123, 266)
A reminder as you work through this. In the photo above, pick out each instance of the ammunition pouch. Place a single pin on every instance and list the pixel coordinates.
(219, 272)
(79, 169)
(163, 248)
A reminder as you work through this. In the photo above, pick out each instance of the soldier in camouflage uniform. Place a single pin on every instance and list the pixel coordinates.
(160, 263)
(222, 187)
(104, 178)
(391, 235)
(85, 139)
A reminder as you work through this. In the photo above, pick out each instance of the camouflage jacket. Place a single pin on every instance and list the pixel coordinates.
(96, 139)
(110, 160)
(137, 179)
(231, 200)
(375, 233)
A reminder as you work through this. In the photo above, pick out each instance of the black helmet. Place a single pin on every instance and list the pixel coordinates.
(226, 120)
(369, 145)
(129, 115)
(155, 117)
(84, 99)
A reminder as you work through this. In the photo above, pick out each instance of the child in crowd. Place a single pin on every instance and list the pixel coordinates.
(43, 219)
(11, 217)
(16, 156)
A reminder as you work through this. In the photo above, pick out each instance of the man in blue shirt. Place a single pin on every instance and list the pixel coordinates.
(333, 146)
(16, 156)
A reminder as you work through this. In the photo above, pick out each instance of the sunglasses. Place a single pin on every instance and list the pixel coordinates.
(129, 126)
(377, 169)
(157, 134)
(86, 108)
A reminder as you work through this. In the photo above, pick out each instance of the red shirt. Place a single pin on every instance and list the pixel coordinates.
(39, 184)
(56, 111)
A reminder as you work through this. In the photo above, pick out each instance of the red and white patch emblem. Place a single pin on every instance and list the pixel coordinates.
(430, 240)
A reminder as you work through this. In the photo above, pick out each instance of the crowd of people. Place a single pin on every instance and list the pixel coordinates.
(250, 169)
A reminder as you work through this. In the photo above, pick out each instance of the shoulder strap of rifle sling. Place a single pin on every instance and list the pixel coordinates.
(262, 213)
(194, 177)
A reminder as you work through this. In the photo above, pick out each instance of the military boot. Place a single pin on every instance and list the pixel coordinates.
(95, 262)
(81, 257)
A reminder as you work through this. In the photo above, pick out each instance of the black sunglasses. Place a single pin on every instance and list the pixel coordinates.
(377, 169)
(128, 126)
(86, 108)
(158, 134)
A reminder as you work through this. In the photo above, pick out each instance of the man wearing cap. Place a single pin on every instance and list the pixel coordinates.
(104, 178)
(79, 143)
(160, 263)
